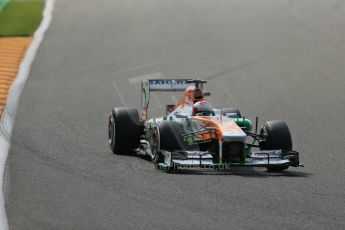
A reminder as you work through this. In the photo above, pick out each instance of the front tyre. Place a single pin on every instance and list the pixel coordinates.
(124, 130)
(276, 135)
(169, 137)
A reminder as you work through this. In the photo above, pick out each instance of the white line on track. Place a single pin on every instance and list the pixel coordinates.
(137, 79)
(117, 89)
(6, 123)
(138, 67)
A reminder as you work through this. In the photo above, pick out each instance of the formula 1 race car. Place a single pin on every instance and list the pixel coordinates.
(194, 134)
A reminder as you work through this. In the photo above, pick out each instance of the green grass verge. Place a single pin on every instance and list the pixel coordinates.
(21, 17)
(3, 4)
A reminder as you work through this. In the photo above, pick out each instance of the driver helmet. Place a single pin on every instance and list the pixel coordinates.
(189, 93)
(202, 108)
(193, 94)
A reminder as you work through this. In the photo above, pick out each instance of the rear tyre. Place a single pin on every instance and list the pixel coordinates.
(124, 130)
(226, 111)
(277, 136)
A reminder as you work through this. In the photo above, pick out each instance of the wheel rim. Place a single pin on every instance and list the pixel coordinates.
(154, 146)
(111, 131)
(155, 143)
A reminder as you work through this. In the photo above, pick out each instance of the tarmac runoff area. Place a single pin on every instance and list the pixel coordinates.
(16, 57)
(12, 53)
(271, 59)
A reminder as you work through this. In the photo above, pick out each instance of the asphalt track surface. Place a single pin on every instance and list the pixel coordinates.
(272, 58)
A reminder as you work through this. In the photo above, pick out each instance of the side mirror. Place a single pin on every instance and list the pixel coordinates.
(169, 109)
(231, 115)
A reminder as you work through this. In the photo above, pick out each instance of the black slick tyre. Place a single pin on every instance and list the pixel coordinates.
(124, 130)
(171, 136)
(170, 139)
(277, 136)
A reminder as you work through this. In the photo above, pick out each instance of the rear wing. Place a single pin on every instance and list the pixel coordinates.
(164, 85)
(170, 85)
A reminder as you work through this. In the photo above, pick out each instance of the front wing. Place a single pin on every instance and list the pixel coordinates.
(193, 159)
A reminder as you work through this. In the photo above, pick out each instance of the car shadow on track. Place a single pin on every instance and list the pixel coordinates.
(244, 172)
